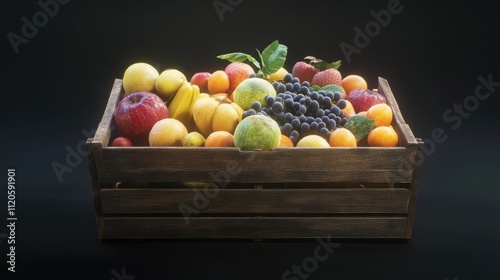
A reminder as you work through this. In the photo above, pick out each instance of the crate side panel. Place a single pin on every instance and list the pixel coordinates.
(258, 227)
(267, 201)
(413, 192)
(230, 164)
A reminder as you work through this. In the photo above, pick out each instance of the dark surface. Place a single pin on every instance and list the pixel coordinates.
(58, 83)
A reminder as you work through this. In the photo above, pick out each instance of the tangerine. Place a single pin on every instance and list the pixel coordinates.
(285, 142)
(342, 137)
(348, 110)
(220, 139)
(381, 113)
(218, 82)
(351, 82)
(383, 136)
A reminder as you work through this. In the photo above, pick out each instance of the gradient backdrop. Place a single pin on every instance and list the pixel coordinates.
(57, 85)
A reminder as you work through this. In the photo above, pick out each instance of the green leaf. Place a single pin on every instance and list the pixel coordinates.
(323, 65)
(332, 88)
(360, 126)
(273, 57)
(315, 87)
(239, 57)
(254, 61)
(261, 59)
(234, 57)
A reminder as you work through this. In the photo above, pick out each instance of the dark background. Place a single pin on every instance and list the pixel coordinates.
(58, 83)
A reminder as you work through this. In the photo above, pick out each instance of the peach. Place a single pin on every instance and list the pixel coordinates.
(201, 80)
(237, 73)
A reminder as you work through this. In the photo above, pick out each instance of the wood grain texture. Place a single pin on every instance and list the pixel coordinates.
(95, 187)
(255, 227)
(257, 201)
(412, 203)
(173, 164)
(103, 131)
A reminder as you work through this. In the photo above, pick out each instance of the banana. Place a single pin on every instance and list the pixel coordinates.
(204, 95)
(196, 95)
(179, 107)
(190, 125)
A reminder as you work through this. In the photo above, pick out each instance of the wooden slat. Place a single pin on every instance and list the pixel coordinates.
(170, 164)
(260, 176)
(103, 131)
(94, 180)
(412, 202)
(255, 227)
(257, 201)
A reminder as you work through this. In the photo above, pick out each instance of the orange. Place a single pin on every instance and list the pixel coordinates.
(383, 136)
(351, 82)
(218, 82)
(348, 110)
(167, 132)
(342, 137)
(285, 142)
(220, 139)
(381, 113)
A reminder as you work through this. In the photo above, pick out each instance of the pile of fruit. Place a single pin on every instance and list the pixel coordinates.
(311, 106)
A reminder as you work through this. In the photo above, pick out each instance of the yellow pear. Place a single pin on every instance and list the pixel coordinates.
(169, 82)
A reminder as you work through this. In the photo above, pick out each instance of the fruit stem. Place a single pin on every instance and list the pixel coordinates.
(261, 74)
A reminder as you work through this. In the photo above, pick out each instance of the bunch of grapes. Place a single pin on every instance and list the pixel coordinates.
(302, 111)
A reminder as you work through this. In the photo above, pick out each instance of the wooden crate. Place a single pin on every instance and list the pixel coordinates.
(363, 192)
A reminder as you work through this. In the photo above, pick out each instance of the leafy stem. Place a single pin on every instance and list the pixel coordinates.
(272, 58)
(321, 64)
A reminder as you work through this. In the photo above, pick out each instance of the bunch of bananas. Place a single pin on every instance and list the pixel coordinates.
(181, 103)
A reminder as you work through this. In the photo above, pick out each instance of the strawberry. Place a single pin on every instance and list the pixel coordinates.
(304, 71)
(327, 77)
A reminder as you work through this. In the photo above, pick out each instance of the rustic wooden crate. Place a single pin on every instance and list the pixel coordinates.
(363, 192)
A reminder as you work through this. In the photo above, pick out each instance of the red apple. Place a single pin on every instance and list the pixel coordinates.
(363, 99)
(201, 80)
(136, 114)
(121, 141)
